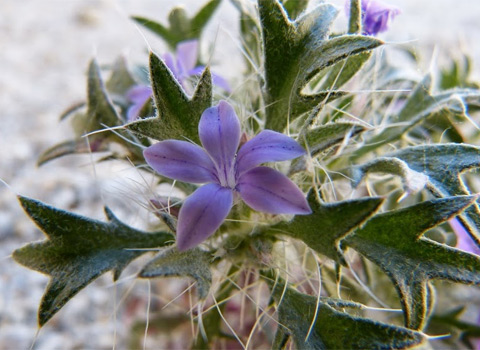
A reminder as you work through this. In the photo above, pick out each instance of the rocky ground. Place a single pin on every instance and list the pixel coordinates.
(46, 46)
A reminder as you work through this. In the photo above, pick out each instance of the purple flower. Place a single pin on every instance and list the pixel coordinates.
(138, 95)
(464, 241)
(227, 173)
(376, 15)
(182, 68)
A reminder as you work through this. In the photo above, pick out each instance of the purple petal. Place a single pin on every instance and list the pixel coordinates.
(221, 82)
(376, 16)
(170, 63)
(219, 131)
(187, 54)
(464, 241)
(180, 160)
(267, 146)
(139, 95)
(201, 215)
(196, 71)
(265, 189)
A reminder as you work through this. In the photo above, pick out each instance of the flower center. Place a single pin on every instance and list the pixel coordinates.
(226, 175)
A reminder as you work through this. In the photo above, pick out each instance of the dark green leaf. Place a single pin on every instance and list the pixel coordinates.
(170, 37)
(421, 105)
(334, 329)
(121, 79)
(413, 181)
(70, 147)
(100, 110)
(323, 137)
(78, 250)
(329, 224)
(181, 27)
(295, 52)
(355, 17)
(194, 263)
(202, 17)
(294, 7)
(393, 240)
(177, 114)
(443, 164)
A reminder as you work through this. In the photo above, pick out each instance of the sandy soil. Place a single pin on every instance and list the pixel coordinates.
(46, 46)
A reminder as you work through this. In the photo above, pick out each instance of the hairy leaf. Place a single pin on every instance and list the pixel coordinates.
(329, 224)
(181, 27)
(413, 181)
(421, 105)
(443, 164)
(334, 329)
(393, 240)
(78, 250)
(297, 50)
(121, 80)
(323, 137)
(194, 263)
(177, 114)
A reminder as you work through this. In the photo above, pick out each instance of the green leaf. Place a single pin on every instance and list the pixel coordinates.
(421, 105)
(70, 147)
(181, 27)
(177, 114)
(78, 250)
(324, 137)
(194, 263)
(355, 17)
(393, 240)
(294, 7)
(121, 80)
(170, 37)
(329, 224)
(334, 329)
(100, 110)
(413, 181)
(201, 18)
(295, 51)
(444, 164)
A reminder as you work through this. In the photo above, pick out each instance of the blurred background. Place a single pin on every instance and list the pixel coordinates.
(45, 50)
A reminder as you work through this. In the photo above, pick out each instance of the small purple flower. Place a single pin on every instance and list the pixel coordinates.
(138, 95)
(182, 68)
(464, 241)
(376, 15)
(227, 173)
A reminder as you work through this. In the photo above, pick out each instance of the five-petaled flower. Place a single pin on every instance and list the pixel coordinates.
(227, 173)
(376, 15)
(182, 68)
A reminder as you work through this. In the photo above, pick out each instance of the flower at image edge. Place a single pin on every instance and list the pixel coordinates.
(227, 173)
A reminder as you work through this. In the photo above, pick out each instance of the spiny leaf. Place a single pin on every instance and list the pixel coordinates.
(120, 78)
(355, 17)
(181, 27)
(334, 329)
(329, 224)
(177, 114)
(78, 250)
(413, 181)
(194, 263)
(297, 50)
(421, 105)
(443, 164)
(294, 7)
(323, 137)
(393, 240)
(100, 110)
(70, 147)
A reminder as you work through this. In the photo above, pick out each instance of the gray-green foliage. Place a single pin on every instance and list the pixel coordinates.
(78, 250)
(356, 144)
